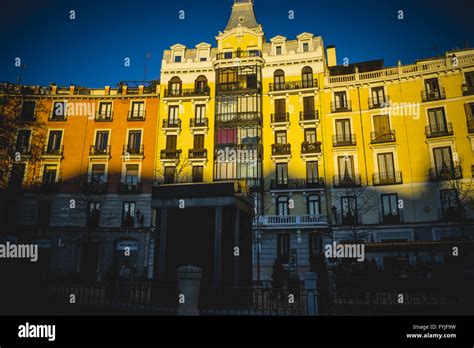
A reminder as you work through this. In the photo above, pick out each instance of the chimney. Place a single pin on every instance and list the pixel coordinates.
(331, 55)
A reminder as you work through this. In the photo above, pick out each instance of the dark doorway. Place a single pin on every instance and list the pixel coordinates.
(89, 260)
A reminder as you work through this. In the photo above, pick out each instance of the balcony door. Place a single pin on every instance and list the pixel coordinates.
(173, 115)
(378, 96)
(308, 106)
(282, 174)
(346, 169)
(340, 98)
(443, 158)
(437, 121)
(280, 109)
(343, 131)
(386, 166)
(54, 141)
(134, 141)
(102, 140)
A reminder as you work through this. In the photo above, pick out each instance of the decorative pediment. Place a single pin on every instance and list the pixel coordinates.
(305, 36)
(278, 38)
(203, 45)
(178, 47)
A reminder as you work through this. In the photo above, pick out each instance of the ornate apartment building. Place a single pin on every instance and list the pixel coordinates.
(354, 153)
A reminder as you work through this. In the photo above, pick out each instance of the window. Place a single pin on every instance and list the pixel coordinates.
(200, 113)
(386, 167)
(382, 128)
(470, 78)
(23, 141)
(132, 174)
(105, 110)
(314, 205)
(280, 110)
(282, 206)
(279, 79)
(343, 132)
(305, 47)
(94, 214)
(203, 59)
(307, 77)
(128, 214)
(201, 84)
(59, 110)
(282, 174)
(199, 142)
(98, 174)
(174, 86)
(198, 173)
(278, 50)
(228, 55)
(177, 59)
(173, 115)
(349, 210)
(340, 99)
(280, 137)
(169, 175)
(432, 85)
(312, 172)
(227, 136)
(315, 245)
(138, 110)
(54, 142)
(378, 96)
(308, 105)
(43, 213)
(102, 141)
(171, 141)
(450, 204)
(390, 212)
(17, 175)
(28, 111)
(443, 161)
(310, 135)
(134, 141)
(50, 172)
(346, 169)
(283, 245)
(437, 122)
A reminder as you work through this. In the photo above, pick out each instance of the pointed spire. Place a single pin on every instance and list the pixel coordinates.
(242, 14)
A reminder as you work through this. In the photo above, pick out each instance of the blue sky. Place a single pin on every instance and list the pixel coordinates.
(90, 50)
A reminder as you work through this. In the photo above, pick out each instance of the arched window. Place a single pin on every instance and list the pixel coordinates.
(174, 86)
(307, 77)
(279, 80)
(282, 205)
(200, 85)
(314, 205)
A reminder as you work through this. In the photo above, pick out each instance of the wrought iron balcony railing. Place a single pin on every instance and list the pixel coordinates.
(337, 106)
(280, 118)
(95, 187)
(312, 115)
(439, 130)
(445, 173)
(189, 92)
(349, 180)
(281, 149)
(250, 116)
(377, 103)
(310, 148)
(136, 115)
(170, 154)
(99, 150)
(133, 150)
(230, 87)
(239, 54)
(291, 85)
(197, 154)
(344, 140)
(172, 123)
(289, 221)
(104, 116)
(53, 150)
(296, 184)
(198, 122)
(436, 94)
(391, 178)
(125, 187)
(385, 136)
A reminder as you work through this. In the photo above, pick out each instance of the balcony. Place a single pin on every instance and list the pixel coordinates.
(171, 124)
(296, 184)
(427, 96)
(133, 150)
(197, 154)
(470, 125)
(129, 187)
(99, 150)
(199, 123)
(446, 173)
(239, 54)
(280, 119)
(104, 116)
(467, 89)
(281, 149)
(57, 118)
(53, 151)
(185, 93)
(170, 154)
(341, 140)
(308, 148)
(293, 85)
(136, 116)
(290, 221)
(309, 116)
(350, 180)
(236, 87)
(337, 106)
(95, 187)
(380, 137)
(239, 118)
(439, 130)
(378, 103)
(393, 178)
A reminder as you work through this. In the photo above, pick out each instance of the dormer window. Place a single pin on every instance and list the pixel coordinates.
(305, 47)
(177, 59)
(278, 50)
(203, 59)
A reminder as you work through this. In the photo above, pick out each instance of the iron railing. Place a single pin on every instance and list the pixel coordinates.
(292, 85)
(384, 136)
(439, 130)
(310, 148)
(296, 184)
(436, 94)
(391, 178)
(344, 140)
(172, 123)
(350, 180)
(281, 149)
(280, 118)
(136, 116)
(133, 150)
(312, 115)
(338, 106)
(99, 150)
(198, 122)
(188, 92)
